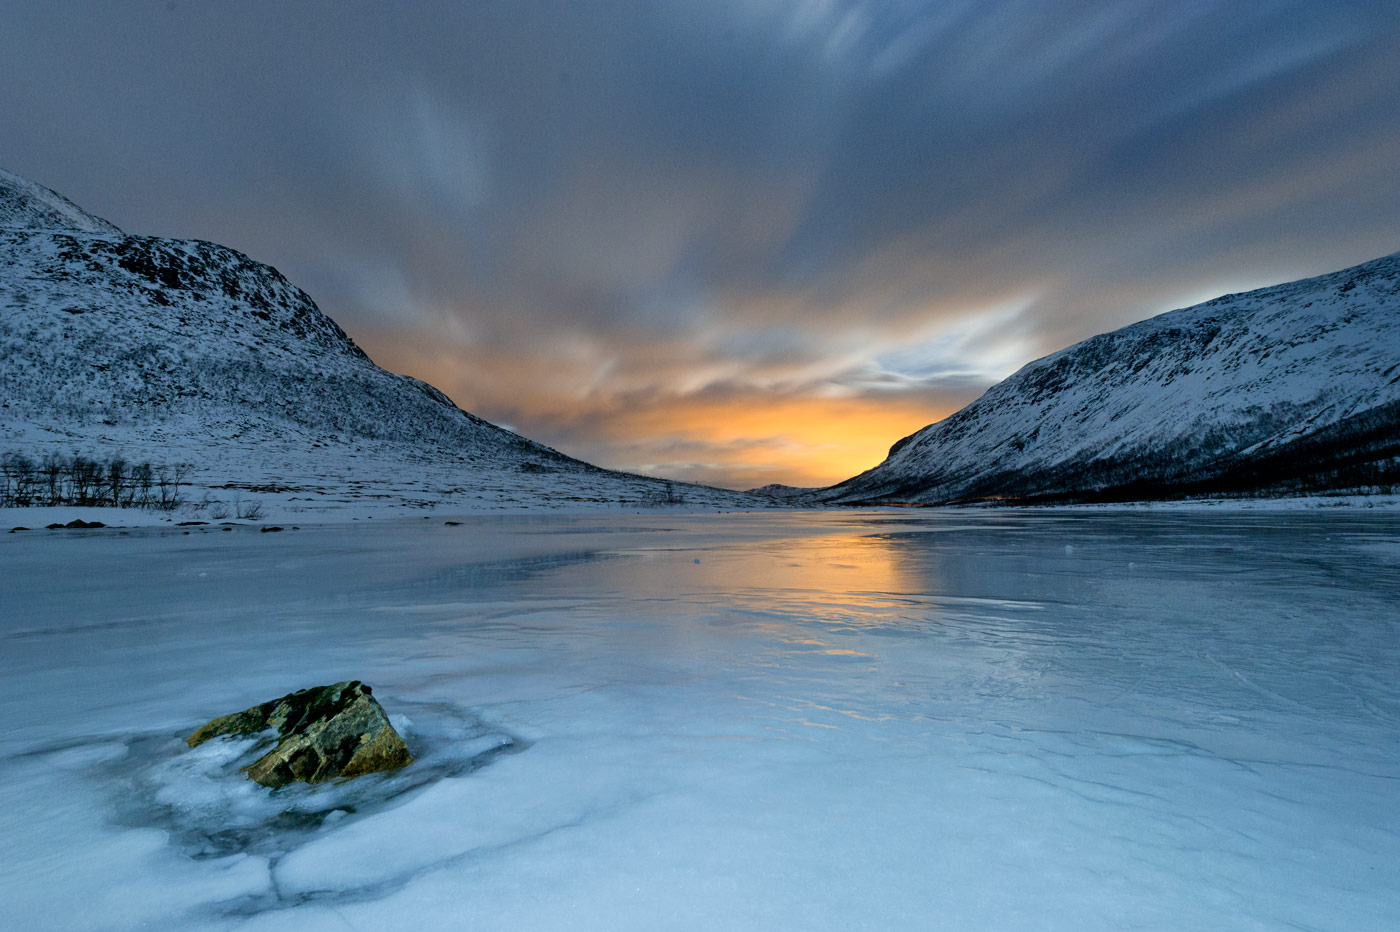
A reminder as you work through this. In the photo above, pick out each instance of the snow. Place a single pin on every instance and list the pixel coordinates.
(25, 205)
(969, 719)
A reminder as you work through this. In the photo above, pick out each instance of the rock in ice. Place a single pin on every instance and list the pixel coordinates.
(322, 733)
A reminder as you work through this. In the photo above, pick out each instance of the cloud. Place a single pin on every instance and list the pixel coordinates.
(623, 226)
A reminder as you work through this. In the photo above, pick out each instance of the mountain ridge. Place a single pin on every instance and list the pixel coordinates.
(186, 351)
(1209, 399)
(27, 205)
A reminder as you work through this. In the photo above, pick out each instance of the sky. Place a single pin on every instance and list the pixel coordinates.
(728, 241)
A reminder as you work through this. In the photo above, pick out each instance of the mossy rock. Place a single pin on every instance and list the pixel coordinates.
(323, 733)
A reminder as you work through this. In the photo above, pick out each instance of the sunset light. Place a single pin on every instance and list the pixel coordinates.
(700, 465)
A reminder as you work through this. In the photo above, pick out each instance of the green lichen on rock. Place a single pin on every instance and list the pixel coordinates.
(323, 733)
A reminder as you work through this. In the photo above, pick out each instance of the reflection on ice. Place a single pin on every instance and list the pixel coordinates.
(844, 720)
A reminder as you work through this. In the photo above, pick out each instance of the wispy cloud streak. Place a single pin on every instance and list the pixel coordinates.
(629, 228)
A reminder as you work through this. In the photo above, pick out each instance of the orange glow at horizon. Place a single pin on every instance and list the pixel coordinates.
(744, 439)
(799, 441)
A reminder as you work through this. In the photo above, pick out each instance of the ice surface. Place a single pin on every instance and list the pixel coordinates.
(897, 720)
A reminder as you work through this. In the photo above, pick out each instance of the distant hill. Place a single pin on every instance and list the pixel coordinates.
(190, 352)
(782, 492)
(1288, 389)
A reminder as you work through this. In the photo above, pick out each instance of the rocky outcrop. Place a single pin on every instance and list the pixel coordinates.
(323, 733)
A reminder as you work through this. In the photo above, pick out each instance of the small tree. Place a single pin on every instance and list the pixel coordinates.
(84, 476)
(116, 480)
(19, 469)
(141, 478)
(52, 469)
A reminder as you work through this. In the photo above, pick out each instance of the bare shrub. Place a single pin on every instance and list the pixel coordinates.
(79, 480)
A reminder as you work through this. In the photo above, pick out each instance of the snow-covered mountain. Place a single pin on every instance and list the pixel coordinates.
(32, 207)
(187, 352)
(1293, 388)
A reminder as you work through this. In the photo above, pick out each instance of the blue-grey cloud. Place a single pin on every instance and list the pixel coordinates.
(560, 210)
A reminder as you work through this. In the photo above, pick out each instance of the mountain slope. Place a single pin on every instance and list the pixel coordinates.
(1285, 389)
(183, 351)
(25, 205)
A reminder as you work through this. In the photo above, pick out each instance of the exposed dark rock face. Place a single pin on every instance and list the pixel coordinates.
(323, 733)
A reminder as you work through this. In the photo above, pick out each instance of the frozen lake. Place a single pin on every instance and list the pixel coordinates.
(889, 720)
